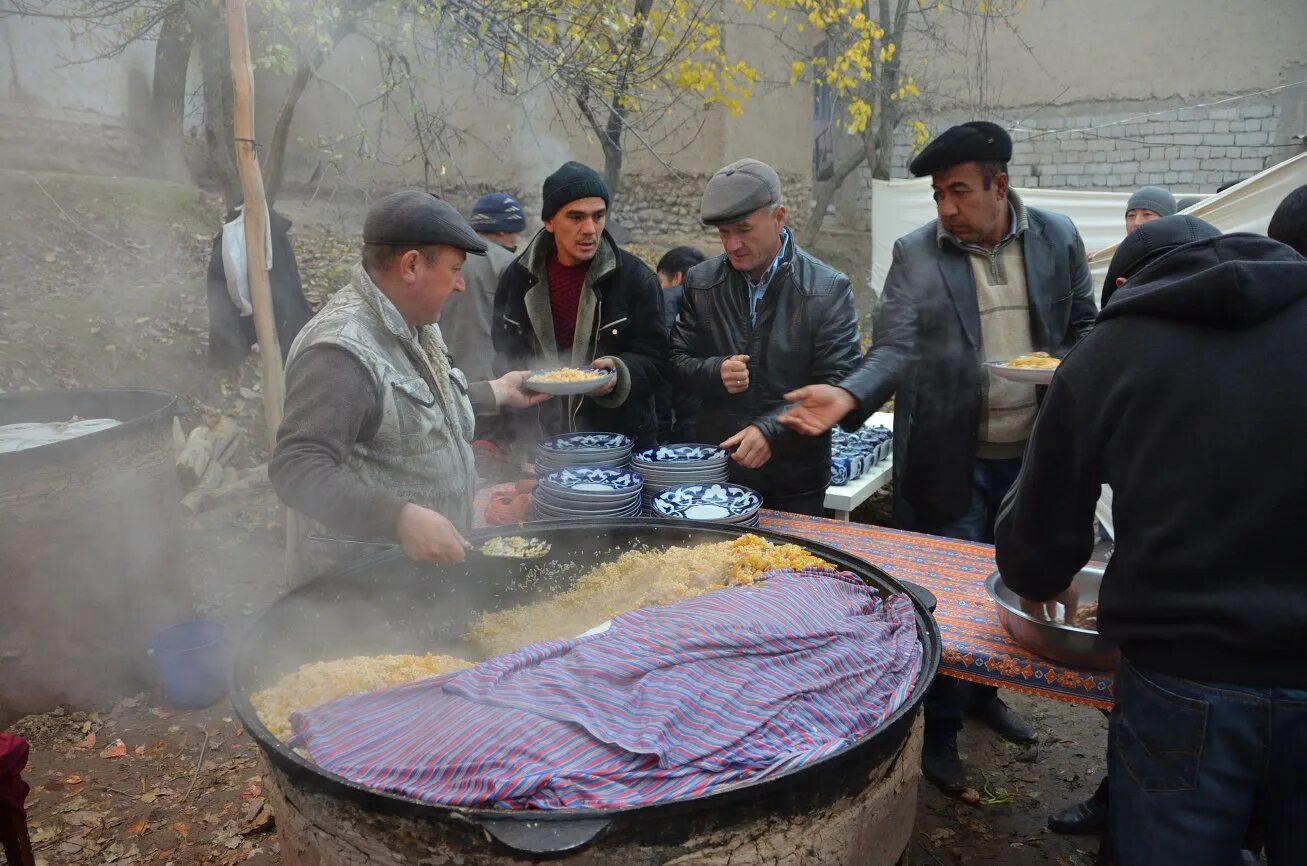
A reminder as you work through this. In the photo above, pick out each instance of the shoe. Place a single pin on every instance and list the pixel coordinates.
(1005, 721)
(941, 764)
(1083, 819)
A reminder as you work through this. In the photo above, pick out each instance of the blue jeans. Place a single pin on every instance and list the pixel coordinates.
(990, 481)
(1188, 763)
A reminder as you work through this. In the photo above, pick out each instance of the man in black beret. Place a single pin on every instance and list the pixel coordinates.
(989, 280)
(575, 298)
(376, 438)
(761, 319)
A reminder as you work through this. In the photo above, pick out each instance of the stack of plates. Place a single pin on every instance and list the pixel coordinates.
(601, 450)
(669, 465)
(586, 491)
(717, 503)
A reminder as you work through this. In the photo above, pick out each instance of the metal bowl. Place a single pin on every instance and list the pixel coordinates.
(1079, 647)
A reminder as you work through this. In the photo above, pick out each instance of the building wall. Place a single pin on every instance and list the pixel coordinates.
(1118, 94)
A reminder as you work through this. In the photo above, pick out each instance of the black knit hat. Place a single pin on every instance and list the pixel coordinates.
(571, 182)
(977, 141)
(1150, 242)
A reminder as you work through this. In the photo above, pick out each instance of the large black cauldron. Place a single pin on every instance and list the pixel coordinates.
(388, 605)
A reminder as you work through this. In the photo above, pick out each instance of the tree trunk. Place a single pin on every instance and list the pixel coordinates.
(824, 191)
(215, 64)
(172, 57)
(613, 164)
(276, 168)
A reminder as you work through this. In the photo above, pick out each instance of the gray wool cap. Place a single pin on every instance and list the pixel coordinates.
(1154, 198)
(415, 218)
(738, 190)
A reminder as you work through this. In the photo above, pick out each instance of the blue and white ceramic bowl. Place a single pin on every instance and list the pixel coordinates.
(716, 502)
(548, 510)
(678, 456)
(586, 499)
(583, 479)
(577, 442)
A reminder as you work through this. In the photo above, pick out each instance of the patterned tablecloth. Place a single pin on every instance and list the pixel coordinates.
(976, 646)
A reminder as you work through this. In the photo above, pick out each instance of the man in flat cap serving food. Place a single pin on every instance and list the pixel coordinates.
(574, 297)
(989, 280)
(763, 318)
(376, 438)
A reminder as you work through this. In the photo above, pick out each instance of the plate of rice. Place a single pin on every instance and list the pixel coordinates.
(569, 381)
(1036, 368)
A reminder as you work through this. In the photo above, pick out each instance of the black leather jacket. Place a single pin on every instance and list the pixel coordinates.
(926, 354)
(807, 333)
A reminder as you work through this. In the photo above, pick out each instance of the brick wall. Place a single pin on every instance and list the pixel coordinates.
(1186, 149)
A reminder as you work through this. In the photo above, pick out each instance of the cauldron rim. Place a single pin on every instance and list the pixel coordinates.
(876, 745)
(169, 405)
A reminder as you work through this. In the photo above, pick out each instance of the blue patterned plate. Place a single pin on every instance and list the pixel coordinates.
(729, 502)
(587, 442)
(671, 455)
(580, 479)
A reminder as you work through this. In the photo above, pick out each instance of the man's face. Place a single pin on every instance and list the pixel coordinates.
(426, 285)
(751, 244)
(1135, 217)
(577, 228)
(966, 209)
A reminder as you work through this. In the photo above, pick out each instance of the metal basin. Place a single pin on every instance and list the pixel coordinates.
(1079, 647)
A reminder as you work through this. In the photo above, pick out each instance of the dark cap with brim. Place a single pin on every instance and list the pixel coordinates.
(1151, 241)
(977, 141)
(738, 190)
(419, 219)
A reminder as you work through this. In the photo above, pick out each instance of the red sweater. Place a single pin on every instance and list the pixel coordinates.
(565, 298)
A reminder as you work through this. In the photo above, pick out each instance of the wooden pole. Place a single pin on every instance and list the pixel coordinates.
(265, 325)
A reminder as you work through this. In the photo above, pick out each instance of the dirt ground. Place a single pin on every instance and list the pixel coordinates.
(101, 283)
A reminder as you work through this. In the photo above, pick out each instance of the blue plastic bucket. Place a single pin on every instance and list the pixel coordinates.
(192, 658)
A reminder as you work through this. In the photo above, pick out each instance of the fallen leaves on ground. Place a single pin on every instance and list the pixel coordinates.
(116, 749)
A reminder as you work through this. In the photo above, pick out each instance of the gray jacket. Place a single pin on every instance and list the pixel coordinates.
(421, 451)
(466, 318)
(926, 354)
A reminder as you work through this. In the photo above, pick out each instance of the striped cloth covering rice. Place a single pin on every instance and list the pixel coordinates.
(669, 703)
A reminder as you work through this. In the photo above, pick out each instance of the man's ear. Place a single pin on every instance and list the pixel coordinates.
(408, 264)
(1001, 184)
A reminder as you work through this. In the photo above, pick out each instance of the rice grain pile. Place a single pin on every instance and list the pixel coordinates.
(634, 580)
(318, 682)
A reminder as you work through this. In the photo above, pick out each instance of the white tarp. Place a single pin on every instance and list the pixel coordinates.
(899, 206)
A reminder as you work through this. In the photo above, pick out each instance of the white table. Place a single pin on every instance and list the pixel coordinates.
(843, 498)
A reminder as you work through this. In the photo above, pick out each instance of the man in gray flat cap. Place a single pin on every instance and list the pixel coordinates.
(376, 438)
(762, 319)
(989, 280)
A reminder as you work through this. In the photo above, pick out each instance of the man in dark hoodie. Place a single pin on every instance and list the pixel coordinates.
(1205, 591)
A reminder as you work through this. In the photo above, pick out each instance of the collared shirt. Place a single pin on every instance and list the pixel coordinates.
(758, 289)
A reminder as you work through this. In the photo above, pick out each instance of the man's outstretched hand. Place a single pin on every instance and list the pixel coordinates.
(428, 536)
(510, 390)
(816, 409)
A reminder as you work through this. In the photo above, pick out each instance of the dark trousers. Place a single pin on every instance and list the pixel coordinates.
(990, 481)
(811, 504)
(1190, 762)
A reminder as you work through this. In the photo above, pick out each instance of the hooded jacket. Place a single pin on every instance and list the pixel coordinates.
(1189, 397)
